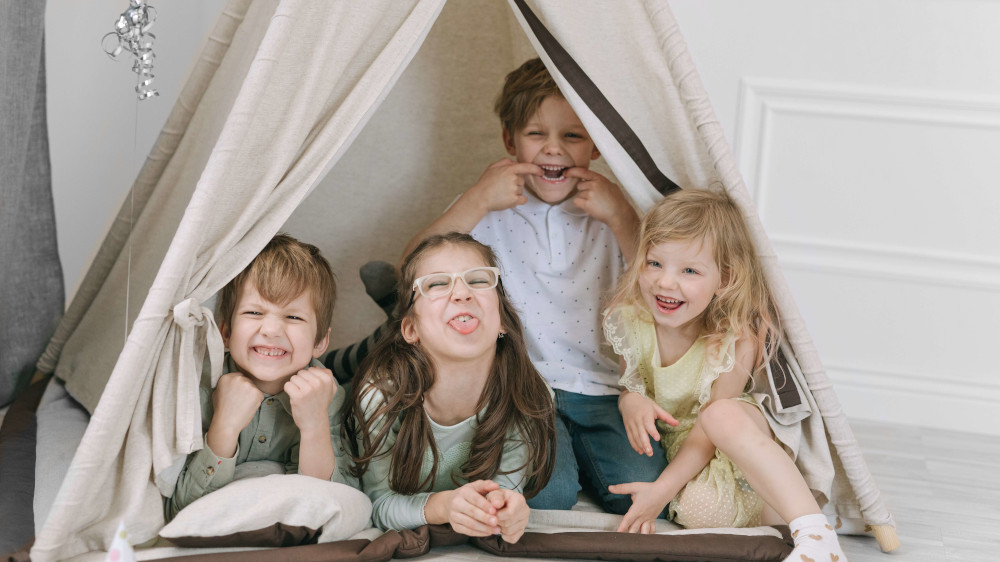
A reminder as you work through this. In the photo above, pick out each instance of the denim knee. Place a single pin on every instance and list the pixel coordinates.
(557, 494)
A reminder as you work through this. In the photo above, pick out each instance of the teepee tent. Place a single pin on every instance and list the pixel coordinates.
(352, 125)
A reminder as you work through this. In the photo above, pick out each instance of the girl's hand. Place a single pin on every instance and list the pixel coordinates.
(512, 513)
(648, 501)
(470, 513)
(501, 185)
(310, 392)
(639, 413)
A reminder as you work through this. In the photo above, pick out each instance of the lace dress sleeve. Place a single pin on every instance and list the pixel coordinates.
(720, 357)
(623, 329)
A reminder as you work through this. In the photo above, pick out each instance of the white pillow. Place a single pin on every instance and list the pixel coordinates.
(262, 511)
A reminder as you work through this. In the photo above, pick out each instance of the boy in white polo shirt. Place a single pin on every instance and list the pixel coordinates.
(559, 231)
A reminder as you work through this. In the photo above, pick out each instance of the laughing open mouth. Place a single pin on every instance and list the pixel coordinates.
(270, 351)
(553, 173)
(667, 304)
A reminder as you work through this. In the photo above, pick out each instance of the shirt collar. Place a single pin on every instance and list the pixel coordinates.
(567, 207)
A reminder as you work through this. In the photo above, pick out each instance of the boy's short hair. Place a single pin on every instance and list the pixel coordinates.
(282, 271)
(523, 91)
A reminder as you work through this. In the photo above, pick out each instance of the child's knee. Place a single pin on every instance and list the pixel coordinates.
(722, 415)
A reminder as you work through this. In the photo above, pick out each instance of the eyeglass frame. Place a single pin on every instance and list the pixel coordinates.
(416, 283)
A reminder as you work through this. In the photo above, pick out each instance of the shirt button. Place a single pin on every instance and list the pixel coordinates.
(210, 470)
(270, 401)
(262, 438)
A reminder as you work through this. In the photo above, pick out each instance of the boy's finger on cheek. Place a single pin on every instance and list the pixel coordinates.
(528, 168)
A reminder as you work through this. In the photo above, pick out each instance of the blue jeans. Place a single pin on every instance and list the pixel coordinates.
(592, 450)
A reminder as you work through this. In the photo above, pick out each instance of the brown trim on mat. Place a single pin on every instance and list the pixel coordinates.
(582, 545)
(22, 554)
(278, 534)
(22, 410)
(598, 103)
(18, 438)
(720, 547)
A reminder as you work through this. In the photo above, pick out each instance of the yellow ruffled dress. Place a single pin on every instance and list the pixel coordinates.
(719, 495)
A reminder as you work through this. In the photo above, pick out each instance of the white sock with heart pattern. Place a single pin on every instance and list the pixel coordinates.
(815, 540)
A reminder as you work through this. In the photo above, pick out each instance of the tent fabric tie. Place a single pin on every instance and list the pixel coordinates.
(198, 331)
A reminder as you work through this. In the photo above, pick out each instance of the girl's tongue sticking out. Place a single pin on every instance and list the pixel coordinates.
(464, 323)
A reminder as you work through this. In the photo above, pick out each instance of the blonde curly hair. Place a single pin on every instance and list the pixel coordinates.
(744, 304)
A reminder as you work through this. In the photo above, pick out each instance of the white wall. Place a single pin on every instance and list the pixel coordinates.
(868, 133)
(98, 137)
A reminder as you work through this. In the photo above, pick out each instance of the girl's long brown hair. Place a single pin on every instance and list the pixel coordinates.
(515, 397)
(744, 305)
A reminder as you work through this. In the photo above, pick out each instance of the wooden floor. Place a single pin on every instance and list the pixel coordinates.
(942, 487)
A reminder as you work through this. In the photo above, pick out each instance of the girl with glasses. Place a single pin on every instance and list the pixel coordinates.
(452, 422)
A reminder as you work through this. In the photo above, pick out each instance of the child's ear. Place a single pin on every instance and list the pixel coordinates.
(595, 154)
(320, 347)
(224, 330)
(409, 333)
(725, 278)
(508, 142)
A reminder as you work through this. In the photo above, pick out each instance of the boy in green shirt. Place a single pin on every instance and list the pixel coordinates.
(276, 402)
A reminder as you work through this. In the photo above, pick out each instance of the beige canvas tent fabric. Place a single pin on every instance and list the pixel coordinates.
(319, 71)
(290, 121)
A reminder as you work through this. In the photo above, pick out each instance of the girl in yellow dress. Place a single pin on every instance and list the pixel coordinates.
(690, 319)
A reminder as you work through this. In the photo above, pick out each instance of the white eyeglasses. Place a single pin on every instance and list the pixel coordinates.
(437, 285)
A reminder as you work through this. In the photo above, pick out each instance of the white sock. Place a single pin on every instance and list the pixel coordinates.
(815, 540)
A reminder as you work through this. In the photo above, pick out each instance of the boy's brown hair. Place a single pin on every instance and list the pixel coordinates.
(282, 271)
(523, 91)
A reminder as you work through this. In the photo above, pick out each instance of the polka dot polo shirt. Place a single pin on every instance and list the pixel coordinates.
(557, 262)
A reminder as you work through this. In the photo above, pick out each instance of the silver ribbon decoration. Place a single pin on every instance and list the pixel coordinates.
(132, 34)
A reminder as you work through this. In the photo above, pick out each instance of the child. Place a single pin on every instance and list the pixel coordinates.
(690, 319)
(559, 231)
(453, 423)
(276, 402)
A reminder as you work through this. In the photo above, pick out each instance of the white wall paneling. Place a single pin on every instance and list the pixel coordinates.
(879, 206)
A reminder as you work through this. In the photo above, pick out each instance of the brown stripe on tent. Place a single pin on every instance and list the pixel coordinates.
(597, 103)
(784, 385)
(786, 389)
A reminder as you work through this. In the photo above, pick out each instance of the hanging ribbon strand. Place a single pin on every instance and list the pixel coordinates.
(132, 34)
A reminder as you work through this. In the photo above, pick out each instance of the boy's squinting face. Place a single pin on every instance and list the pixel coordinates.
(271, 342)
(553, 138)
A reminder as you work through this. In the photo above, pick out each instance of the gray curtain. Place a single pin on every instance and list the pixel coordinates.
(31, 282)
